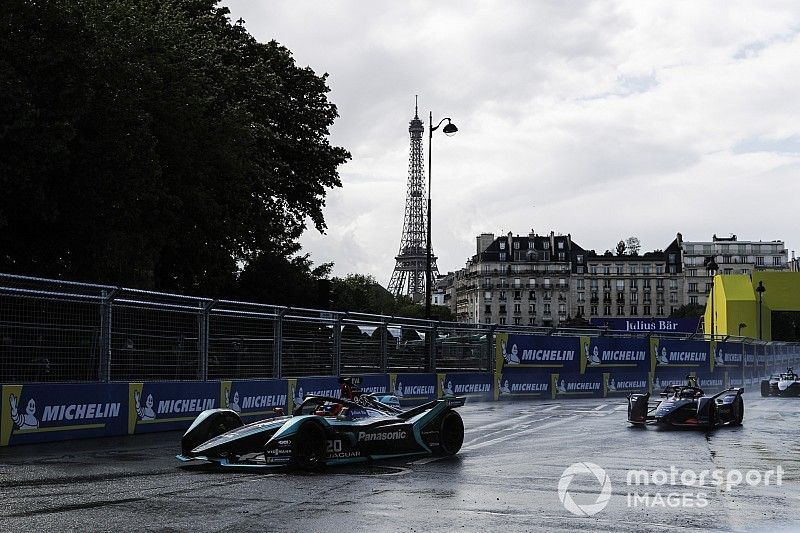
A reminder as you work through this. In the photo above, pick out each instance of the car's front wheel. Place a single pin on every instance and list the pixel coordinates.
(308, 448)
(765, 387)
(737, 410)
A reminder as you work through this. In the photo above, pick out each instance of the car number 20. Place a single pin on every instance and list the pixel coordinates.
(334, 446)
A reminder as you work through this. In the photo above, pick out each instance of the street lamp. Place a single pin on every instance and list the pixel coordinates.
(712, 267)
(741, 325)
(760, 290)
(449, 129)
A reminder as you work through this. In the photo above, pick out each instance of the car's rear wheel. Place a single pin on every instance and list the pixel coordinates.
(451, 433)
(308, 449)
(765, 387)
(737, 410)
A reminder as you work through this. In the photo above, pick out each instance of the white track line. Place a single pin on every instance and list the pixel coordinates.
(521, 433)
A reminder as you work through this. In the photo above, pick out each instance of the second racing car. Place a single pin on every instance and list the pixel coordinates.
(687, 406)
(784, 384)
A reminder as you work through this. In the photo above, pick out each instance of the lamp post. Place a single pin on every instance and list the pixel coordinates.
(760, 290)
(741, 325)
(712, 267)
(449, 129)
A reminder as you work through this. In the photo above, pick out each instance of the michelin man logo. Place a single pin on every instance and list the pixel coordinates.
(26, 420)
(448, 390)
(662, 357)
(512, 358)
(611, 385)
(719, 360)
(398, 389)
(594, 357)
(588, 509)
(298, 395)
(562, 387)
(503, 388)
(146, 412)
(232, 405)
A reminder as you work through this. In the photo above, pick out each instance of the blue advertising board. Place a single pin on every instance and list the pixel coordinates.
(576, 385)
(53, 412)
(474, 385)
(712, 382)
(673, 353)
(165, 405)
(538, 351)
(624, 383)
(604, 354)
(648, 324)
(522, 383)
(727, 355)
(254, 398)
(413, 388)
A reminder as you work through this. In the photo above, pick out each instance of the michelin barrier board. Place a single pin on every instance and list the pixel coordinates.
(166, 406)
(621, 384)
(53, 412)
(254, 399)
(477, 386)
(412, 389)
(615, 354)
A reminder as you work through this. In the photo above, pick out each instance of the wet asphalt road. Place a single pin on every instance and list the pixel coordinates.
(504, 479)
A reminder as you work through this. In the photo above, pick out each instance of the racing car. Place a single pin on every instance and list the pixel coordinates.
(325, 430)
(687, 406)
(785, 384)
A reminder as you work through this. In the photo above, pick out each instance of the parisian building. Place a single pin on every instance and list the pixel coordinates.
(549, 280)
(732, 256)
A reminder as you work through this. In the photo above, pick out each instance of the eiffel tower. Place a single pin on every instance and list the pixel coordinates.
(408, 278)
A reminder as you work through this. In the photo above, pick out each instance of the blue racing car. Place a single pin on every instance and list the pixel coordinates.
(325, 430)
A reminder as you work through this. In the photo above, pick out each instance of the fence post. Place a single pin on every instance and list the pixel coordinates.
(104, 362)
(202, 338)
(490, 348)
(337, 346)
(432, 334)
(277, 345)
(384, 362)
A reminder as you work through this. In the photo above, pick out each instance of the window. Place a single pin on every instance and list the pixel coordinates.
(633, 269)
(692, 299)
(502, 245)
(673, 297)
(580, 310)
(531, 295)
(619, 270)
(776, 261)
(516, 245)
(708, 286)
(502, 256)
(760, 261)
(546, 245)
(671, 258)
(503, 320)
(646, 310)
(548, 295)
(634, 284)
(593, 310)
(634, 297)
(606, 269)
(673, 269)
(517, 308)
(579, 258)
(488, 309)
(546, 283)
(634, 310)
(517, 282)
(620, 310)
(532, 309)
(673, 284)
(581, 296)
(581, 285)
(692, 272)
(620, 285)
(744, 271)
(660, 310)
(606, 309)
(645, 270)
(606, 283)
(518, 295)
(517, 321)
(579, 269)
(560, 245)
(593, 284)
(560, 256)
(488, 320)
(659, 283)
(487, 295)
(593, 269)
(562, 309)
(646, 283)
(530, 321)
(502, 309)
(546, 309)
(502, 296)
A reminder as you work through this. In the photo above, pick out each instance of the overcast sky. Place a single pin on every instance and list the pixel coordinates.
(599, 119)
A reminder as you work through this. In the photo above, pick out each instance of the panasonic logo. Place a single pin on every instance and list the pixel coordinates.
(472, 387)
(548, 355)
(271, 400)
(623, 355)
(386, 435)
(185, 405)
(80, 412)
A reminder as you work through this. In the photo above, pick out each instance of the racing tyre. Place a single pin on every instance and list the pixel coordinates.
(765, 387)
(451, 433)
(712, 416)
(737, 410)
(308, 449)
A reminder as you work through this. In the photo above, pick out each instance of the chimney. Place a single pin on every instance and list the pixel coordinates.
(483, 241)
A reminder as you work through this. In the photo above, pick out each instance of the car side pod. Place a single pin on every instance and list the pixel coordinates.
(207, 425)
(638, 405)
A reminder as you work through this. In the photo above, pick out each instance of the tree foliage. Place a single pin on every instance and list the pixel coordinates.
(363, 294)
(688, 311)
(633, 245)
(155, 144)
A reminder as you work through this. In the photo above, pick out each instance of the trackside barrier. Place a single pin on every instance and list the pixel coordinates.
(50, 412)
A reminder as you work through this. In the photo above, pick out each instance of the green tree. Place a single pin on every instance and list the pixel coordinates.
(362, 294)
(155, 144)
(688, 311)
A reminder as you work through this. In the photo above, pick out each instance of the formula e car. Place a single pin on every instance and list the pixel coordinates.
(786, 384)
(325, 430)
(687, 406)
